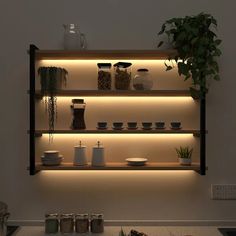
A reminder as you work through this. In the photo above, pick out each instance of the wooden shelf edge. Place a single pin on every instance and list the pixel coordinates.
(105, 54)
(121, 166)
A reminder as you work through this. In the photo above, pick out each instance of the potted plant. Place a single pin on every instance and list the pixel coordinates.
(52, 79)
(197, 48)
(184, 155)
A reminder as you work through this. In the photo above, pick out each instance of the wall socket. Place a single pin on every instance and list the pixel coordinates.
(223, 191)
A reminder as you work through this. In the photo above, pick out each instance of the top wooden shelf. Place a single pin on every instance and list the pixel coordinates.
(104, 54)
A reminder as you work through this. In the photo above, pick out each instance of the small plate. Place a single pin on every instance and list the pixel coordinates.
(147, 128)
(132, 128)
(60, 157)
(136, 161)
(117, 128)
(160, 127)
(175, 128)
(102, 128)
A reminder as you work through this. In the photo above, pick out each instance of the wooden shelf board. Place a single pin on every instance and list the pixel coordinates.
(104, 54)
(124, 131)
(122, 166)
(118, 93)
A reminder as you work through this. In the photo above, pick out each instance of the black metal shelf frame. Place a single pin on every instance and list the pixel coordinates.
(33, 133)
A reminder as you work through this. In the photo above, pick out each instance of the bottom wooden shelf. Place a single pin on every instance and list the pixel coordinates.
(122, 166)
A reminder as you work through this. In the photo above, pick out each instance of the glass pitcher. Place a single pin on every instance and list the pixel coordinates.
(73, 38)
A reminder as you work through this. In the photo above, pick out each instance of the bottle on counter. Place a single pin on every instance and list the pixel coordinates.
(81, 223)
(80, 158)
(51, 223)
(97, 223)
(78, 110)
(67, 223)
(98, 158)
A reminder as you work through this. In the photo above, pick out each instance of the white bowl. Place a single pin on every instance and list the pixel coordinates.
(136, 161)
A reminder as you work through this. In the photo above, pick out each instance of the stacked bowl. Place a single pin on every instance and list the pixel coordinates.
(51, 158)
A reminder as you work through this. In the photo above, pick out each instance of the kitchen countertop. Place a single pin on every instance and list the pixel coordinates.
(149, 230)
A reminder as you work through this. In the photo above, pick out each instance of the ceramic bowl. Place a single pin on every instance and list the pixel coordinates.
(132, 124)
(51, 154)
(175, 125)
(147, 125)
(102, 124)
(117, 125)
(160, 124)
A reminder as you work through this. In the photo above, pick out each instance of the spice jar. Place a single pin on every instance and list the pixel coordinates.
(122, 75)
(142, 80)
(104, 76)
(81, 223)
(67, 223)
(97, 223)
(51, 223)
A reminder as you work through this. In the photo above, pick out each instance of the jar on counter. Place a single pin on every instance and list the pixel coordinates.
(82, 223)
(122, 75)
(67, 223)
(51, 223)
(104, 76)
(142, 80)
(97, 223)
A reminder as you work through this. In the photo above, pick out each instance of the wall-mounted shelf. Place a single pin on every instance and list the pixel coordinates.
(104, 54)
(36, 55)
(124, 131)
(119, 93)
(123, 166)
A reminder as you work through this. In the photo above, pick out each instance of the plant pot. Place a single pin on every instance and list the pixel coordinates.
(185, 161)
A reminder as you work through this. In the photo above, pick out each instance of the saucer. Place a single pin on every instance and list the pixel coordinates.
(132, 128)
(117, 128)
(147, 128)
(176, 128)
(160, 127)
(102, 128)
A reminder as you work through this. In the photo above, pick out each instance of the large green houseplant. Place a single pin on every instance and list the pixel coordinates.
(197, 48)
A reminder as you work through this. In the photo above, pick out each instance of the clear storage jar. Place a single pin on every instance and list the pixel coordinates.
(97, 223)
(122, 75)
(142, 80)
(51, 223)
(82, 223)
(104, 76)
(67, 223)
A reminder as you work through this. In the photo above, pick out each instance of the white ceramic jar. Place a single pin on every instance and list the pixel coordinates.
(80, 158)
(142, 80)
(98, 158)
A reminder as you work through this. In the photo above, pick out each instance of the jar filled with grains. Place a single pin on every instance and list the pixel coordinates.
(67, 223)
(122, 75)
(97, 223)
(82, 223)
(51, 223)
(104, 76)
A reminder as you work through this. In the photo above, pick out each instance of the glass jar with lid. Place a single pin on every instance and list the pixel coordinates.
(122, 75)
(97, 223)
(142, 80)
(51, 223)
(67, 223)
(104, 76)
(82, 223)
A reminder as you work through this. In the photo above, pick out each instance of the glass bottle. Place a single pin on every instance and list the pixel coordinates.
(67, 223)
(82, 223)
(78, 109)
(122, 75)
(142, 80)
(104, 76)
(51, 223)
(73, 38)
(97, 223)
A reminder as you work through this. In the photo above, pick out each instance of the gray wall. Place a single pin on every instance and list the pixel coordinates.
(111, 24)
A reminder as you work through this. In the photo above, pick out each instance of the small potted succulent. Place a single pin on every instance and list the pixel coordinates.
(52, 79)
(197, 45)
(184, 155)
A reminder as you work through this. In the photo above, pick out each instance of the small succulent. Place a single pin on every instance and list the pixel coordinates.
(184, 152)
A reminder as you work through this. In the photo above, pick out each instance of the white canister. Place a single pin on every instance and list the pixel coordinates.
(80, 158)
(98, 158)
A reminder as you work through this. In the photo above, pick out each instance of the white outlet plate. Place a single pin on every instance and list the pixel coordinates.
(223, 191)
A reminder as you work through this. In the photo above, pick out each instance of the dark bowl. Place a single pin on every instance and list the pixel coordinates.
(147, 124)
(160, 124)
(117, 124)
(175, 124)
(102, 124)
(132, 124)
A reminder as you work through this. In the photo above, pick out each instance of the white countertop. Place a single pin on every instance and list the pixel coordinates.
(149, 230)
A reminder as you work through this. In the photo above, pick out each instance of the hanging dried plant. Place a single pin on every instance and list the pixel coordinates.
(52, 79)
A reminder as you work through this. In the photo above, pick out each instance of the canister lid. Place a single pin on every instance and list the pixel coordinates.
(123, 64)
(142, 70)
(98, 145)
(80, 101)
(104, 65)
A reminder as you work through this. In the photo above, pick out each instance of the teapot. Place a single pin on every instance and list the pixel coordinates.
(73, 38)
